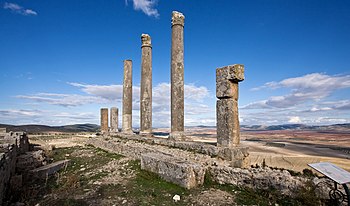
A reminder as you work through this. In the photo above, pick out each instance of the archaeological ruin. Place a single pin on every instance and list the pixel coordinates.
(177, 75)
(175, 157)
(127, 98)
(104, 120)
(114, 120)
(146, 86)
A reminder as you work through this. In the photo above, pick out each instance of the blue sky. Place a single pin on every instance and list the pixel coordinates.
(61, 61)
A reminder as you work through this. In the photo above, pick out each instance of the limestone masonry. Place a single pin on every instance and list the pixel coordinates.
(127, 98)
(104, 120)
(177, 75)
(146, 86)
(227, 121)
(114, 119)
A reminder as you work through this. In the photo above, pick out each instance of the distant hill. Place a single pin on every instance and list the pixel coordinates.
(94, 128)
(338, 127)
(43, 128)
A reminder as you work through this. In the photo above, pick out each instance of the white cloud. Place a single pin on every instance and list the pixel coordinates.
(47, 117)
(294, 120)
(311, 87)
(19, 9)
(146, 6)
(195, 106)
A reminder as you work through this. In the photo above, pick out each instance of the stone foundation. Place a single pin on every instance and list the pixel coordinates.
(167, 158)
(175, 170)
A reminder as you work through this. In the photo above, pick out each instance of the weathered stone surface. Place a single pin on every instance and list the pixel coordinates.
(177, 76)
(2, 130)
(114, 119)
(177, 19)
(127, 98)
(30, 160)
(146, 86)
(233, 72)
(8, 155)
(183, 173)
(258, 178)
(44, 171)
(104, 120)
(227, 89)
(238, 156)
(228, 133)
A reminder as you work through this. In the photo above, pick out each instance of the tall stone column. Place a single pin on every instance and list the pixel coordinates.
(104, 120)
(177, 75)
(127, 98)
(146, 86)
(228, 130)
(114, 119)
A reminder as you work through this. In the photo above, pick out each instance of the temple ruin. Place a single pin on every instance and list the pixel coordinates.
(177, 75)
(104, 120)
(146, 86)
(114, 120)
(127, 98)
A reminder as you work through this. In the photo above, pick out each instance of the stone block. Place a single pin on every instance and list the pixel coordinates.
(238, 156)
(226, 89)
(227, 123)
(233, 72)
(44, 171)
(183, 173)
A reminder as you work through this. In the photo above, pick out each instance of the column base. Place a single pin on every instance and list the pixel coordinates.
(238, 156)
(127, 132)
(146, 133)
(178, 136)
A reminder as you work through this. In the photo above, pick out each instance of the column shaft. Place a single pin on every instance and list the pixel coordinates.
(177, 75)
(104, 120)
(146, 86)
(127, 98)
(114, 119)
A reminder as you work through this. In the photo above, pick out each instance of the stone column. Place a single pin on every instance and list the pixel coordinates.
(146, 86)
(114, 119)
(127, 98)
(227, 121)
(177, 75)
(104, 120)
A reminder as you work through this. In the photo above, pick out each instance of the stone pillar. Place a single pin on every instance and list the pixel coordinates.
(146, 86)
(114, 120)
(177, 75)
(104, 120)
(227, 121)
(127, 98)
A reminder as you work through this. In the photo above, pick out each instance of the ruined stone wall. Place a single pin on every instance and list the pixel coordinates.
(11, 145)
(8, 154)
(220, 169)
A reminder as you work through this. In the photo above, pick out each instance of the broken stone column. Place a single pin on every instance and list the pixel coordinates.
(227, 121)
(146, 86)
(127, 98)
(177, 76)
(114, 120)
(104, 120)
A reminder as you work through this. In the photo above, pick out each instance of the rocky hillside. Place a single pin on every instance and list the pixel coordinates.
(43, 128)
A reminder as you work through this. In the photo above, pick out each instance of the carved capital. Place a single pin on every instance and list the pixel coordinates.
(177, 19)
(146, 40)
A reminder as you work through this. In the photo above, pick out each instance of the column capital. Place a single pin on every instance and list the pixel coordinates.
(146, 40)
(177, 19)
